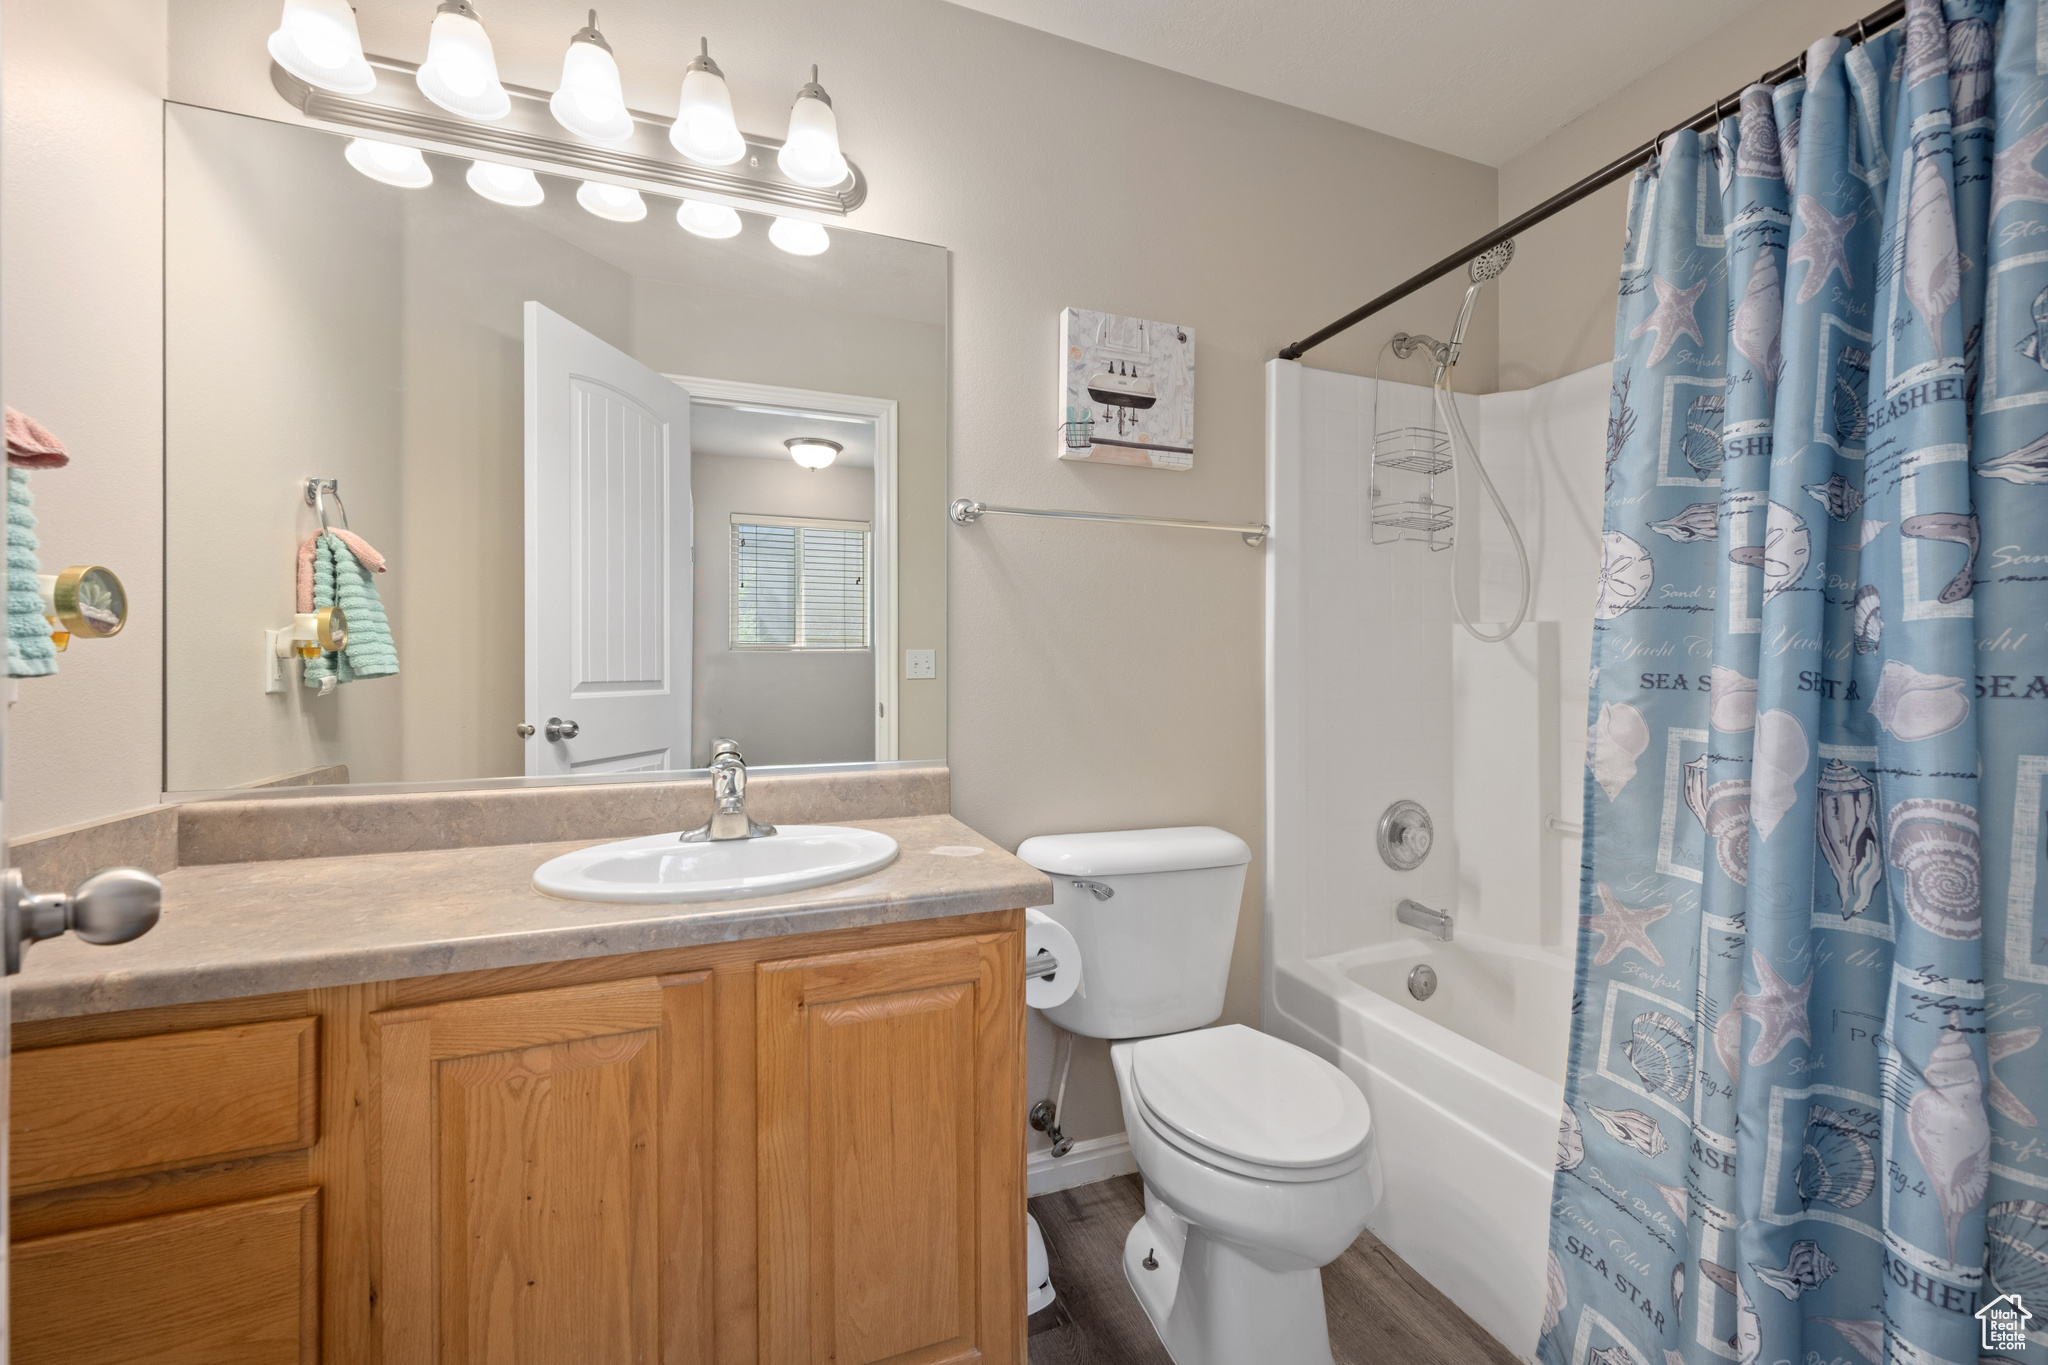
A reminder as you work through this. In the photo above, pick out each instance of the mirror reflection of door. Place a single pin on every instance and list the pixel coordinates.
(608, 597)
(795, 572)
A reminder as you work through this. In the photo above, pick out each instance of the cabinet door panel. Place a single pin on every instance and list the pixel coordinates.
(891, 1155)
(232, 1284)
(543, 1176)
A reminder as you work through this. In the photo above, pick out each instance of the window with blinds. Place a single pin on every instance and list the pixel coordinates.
(799, 583)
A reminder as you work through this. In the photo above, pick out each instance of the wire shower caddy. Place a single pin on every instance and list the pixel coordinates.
(1417, 451)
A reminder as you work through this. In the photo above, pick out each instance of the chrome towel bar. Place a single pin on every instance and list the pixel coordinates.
(966, 512)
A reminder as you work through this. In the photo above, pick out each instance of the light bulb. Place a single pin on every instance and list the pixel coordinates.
(514, 186)
(389, 162)
(707, 220)
(461, 72)
(590, 102)
(316, 41)
(811, 154)
(813, 452)
(798, 237)
(704, 130)
(615, 202)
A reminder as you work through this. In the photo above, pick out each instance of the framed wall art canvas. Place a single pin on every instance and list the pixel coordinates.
(1127, 391)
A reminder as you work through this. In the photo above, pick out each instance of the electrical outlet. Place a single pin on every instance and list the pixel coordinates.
(920, 663)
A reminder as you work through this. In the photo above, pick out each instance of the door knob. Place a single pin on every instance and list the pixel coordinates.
(559, 729)
(113, 905)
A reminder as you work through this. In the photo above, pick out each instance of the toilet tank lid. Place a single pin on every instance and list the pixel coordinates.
(1135, 850)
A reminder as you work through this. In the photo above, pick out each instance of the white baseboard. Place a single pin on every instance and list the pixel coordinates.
(1090, 1160)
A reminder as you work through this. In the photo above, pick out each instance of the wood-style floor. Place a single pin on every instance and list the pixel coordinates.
(1380, 1310)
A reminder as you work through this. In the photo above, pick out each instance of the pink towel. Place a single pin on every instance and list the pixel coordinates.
(357, 546)
(30, 444)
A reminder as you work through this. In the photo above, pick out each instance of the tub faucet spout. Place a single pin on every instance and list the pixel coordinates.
(1420, 916)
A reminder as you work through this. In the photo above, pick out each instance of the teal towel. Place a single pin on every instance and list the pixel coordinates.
(339, 578)
(30, 651)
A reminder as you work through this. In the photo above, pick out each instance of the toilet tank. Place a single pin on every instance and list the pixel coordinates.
(1155, 949)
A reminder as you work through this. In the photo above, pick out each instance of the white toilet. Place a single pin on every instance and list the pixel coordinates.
(1258, 1157)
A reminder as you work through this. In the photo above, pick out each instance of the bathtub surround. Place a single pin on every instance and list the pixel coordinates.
(1797, 848)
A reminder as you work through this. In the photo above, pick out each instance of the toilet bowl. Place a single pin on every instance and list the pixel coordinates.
(1259, 1158)
(1228, 1258)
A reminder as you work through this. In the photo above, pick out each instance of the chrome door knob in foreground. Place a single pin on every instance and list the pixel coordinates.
(559, 729)
(111, 906)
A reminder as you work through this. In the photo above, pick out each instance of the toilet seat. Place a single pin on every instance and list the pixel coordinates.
(1251, 1103)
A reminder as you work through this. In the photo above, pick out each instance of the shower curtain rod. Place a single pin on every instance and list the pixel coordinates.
(1598, 180)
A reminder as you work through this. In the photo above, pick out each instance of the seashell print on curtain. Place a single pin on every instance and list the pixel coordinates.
(1802, 1113)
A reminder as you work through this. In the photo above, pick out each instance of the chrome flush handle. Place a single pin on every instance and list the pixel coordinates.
(1102, 891)
(111, 906)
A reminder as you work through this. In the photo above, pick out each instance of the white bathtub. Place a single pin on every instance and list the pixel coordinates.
(1465, 1090)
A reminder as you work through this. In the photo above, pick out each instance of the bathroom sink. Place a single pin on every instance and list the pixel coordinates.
(661, 869)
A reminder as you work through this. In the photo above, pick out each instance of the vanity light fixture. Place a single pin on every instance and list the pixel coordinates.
(811, 154)
(615, 202)
(707, 220)
(316, 41)
(513, 186)
(461, 72)
(812, 452)
(389, 162)
(705, 130)
(590, 102)
(798, 237)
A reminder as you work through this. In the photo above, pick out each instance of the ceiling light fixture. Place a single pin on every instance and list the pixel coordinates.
(705, 130)
(615, 202)
(811, 155)
(389, 162)
(813, 452)
(799, 238)
(513, 186)
(590, 102)
(461, 72)
(316, 41)
(707, 220)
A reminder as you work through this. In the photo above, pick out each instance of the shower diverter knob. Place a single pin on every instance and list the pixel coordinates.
(1405, 835)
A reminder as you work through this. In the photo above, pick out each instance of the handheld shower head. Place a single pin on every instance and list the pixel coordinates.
(1488, 265)
(1485, 268)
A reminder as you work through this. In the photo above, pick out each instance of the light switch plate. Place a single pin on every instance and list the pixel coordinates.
(920, 663)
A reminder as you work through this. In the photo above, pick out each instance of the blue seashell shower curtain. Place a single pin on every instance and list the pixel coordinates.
(1802, 1115)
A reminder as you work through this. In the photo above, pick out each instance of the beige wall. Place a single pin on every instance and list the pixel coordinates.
(1557, 299)
(783, 706)
(81, 350)
(1100, 677)
(286, 302)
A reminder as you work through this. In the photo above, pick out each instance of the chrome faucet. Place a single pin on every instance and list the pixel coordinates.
(729, 818)
(1420, 916)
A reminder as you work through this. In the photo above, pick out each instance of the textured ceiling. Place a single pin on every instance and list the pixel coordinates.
(1482, 79)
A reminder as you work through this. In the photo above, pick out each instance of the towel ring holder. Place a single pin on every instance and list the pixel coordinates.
(317, 493)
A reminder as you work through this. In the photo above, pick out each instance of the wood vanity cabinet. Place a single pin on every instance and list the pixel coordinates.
(786, 1151)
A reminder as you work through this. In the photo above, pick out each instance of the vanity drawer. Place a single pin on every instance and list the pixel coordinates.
(94, 1110)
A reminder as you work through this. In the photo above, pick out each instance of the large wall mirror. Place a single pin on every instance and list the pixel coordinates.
(580, 448)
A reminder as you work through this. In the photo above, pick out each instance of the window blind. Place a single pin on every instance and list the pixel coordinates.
(798, 583)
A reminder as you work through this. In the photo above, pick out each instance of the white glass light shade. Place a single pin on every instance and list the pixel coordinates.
(513, 186)
(389, 162)
(316, 41)
(590, 102)
(811, 155)
(707, 220)
(705, 130)
(798, 237)
(461, 72)
(811, 452)
(612, 201)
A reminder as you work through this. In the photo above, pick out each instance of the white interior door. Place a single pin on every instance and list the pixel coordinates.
(609, 581)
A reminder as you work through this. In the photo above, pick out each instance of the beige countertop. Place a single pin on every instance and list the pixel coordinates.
(252, 928)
